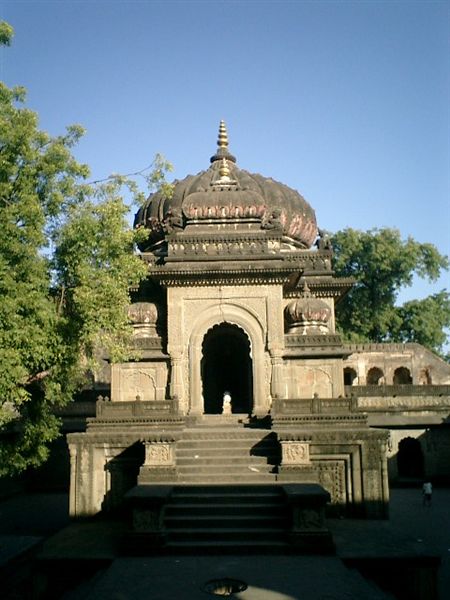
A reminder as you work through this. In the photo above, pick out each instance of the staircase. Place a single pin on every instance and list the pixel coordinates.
(221, 518)
(225, 498)
(222, 454)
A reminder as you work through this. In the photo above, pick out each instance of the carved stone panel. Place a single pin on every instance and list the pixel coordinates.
(332, 478)
(303, 381)
(295, 453)
(138, 381)
(158, 454)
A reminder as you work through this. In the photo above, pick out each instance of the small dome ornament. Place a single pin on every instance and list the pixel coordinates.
(308, 315)
(144, 317)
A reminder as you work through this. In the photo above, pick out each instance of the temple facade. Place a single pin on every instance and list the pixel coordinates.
(241, 375)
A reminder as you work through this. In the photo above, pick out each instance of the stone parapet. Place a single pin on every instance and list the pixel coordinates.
(313, 406)
(124, 410)
(440, 391)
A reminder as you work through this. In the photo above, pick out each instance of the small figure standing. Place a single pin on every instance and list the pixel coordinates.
(427, 492)
(226, 406)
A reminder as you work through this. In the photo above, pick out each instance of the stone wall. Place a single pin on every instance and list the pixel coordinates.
(424, 366)
(193, 311)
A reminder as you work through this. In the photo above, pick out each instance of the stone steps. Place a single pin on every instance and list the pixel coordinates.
(230, 547)
(216, 517)
(229, 509)
(226, 494)
(201, 459)
(225, 522)
(232, 454)
(205, 479)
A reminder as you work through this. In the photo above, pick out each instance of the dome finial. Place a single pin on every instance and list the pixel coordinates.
(222, 143)
(306, 292)
(222, 140)
(224, 170)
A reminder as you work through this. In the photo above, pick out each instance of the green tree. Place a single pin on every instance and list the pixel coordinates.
(66, 266)
(382, 264)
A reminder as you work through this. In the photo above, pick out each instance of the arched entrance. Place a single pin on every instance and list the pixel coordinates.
(402, 376)
(410, 460)
(226, 365)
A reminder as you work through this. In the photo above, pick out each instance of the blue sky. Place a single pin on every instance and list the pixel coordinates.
(347, 102)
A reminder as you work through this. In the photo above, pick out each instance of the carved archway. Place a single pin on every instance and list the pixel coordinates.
(231, 314)
(226, 366)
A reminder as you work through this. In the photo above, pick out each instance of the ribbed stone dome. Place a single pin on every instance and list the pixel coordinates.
(224, 193)
(143, 313)
(308, 314)
(144, 317)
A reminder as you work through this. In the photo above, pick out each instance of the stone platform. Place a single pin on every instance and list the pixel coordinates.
(226, 519)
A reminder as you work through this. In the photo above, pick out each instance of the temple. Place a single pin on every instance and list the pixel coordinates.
(241, 378)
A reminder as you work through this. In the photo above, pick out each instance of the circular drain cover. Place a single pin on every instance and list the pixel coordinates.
(224, 587)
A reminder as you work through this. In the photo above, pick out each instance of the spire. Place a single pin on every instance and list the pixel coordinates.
(222, 140)
(222, 143)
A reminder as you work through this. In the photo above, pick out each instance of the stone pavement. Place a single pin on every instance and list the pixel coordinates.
(413, 530)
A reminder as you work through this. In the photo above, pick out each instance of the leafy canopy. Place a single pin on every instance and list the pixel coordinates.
(382, 264)
(66, 266)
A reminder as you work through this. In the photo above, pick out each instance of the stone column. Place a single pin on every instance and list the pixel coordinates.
(176, 376)
(276, 386)
(373, 474)
(73, 480)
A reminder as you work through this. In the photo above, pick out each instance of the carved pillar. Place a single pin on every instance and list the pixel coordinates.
(73, 480)
(176, 377)
(385, 477)
(373, 473)
(277, 387)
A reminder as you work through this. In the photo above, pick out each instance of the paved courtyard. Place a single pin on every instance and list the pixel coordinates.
(27, 520)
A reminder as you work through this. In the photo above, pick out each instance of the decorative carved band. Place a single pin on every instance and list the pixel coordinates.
(293, 340)
(222, 248)
(147, 343)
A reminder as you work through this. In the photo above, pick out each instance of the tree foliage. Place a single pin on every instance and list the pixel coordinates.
(66, 266)
(382, 264)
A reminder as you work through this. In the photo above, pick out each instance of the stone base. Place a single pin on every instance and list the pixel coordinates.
(149, 475)
(298, 474)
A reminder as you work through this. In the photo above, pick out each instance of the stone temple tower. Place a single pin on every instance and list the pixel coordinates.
(238, 304)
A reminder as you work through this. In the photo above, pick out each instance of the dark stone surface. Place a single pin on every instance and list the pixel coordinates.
(267, 578)
(413, 533)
